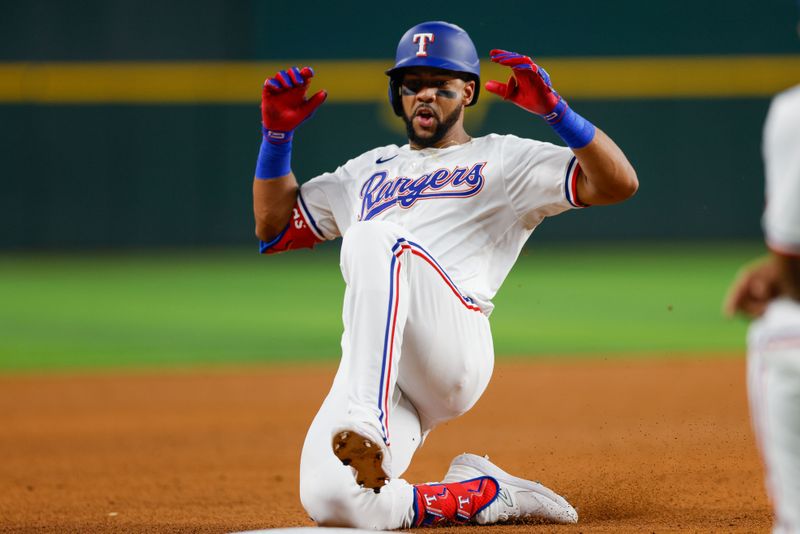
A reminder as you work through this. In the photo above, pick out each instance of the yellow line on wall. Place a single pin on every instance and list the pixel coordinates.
(676, 77)
(362, 81)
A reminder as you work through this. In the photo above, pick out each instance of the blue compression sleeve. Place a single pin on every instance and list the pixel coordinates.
(576, 131)
(275, 156)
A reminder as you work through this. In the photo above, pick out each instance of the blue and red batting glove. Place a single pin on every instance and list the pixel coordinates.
(284, 107)
(529, 87)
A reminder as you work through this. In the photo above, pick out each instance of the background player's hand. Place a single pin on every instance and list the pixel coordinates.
(529, 85)
(283, 99)
(755, 286)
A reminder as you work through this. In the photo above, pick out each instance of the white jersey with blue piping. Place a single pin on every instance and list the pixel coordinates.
(473, 205)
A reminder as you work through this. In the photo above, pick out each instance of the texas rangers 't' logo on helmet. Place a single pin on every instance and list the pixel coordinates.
(423, 39)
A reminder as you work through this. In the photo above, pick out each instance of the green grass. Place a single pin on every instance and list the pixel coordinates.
(143, 309)
(601, 300)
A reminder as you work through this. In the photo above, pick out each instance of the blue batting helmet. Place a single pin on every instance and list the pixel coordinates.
(436, 44)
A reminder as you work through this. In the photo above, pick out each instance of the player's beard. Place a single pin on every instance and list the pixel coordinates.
(442, 127)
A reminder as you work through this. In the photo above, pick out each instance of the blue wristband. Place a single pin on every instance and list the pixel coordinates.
(275, 156)
(576, 131)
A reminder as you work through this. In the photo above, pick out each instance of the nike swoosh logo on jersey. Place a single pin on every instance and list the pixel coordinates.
(382, 160)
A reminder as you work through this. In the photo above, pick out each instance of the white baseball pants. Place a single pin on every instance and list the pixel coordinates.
(773, 380)
(415, 353)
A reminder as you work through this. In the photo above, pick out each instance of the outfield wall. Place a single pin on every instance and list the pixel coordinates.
(130, 124)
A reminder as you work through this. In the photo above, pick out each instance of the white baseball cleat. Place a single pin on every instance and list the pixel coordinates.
(517, 498)
(358, 446)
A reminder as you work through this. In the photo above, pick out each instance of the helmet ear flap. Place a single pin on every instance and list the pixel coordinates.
(394, 95)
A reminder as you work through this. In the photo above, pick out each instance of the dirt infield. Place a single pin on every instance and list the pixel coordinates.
(636, 446)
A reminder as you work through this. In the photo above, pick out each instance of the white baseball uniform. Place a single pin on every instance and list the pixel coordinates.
(774, 340)
(428, 238)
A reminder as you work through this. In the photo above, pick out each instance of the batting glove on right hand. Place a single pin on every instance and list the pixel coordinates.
(528, 87)
(284, 104)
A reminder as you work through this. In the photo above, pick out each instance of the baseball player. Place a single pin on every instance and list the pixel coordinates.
(770, 291)
(429, 231)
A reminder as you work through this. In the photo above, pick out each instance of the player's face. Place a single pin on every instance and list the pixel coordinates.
(433, 102)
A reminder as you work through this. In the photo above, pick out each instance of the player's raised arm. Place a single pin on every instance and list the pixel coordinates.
(283, 107)
(606, 175)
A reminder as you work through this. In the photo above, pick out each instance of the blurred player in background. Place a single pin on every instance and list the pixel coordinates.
(430, 230)
(769, 290)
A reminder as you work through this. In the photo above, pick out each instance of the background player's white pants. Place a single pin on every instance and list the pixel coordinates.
(773, 379)
(415, 353)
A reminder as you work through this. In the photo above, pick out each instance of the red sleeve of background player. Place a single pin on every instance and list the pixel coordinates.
(301, 232)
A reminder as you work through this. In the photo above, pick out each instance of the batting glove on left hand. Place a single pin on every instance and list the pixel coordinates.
(283, 101)
(528, 87)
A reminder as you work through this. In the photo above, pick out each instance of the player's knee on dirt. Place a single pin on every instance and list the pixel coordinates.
(332, 506)
(324, 504)
(325, 509)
